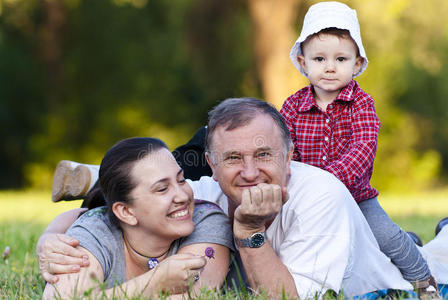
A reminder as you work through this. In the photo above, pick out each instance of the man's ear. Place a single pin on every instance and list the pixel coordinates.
(358, 65)
(290, 154)
(301, 60)
(124, 213)
(211, 164)
(288, 161)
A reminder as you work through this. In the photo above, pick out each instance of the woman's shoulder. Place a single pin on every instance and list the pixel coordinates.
(211, 225)
(96, 213)
(204, 209)
(95, 223)
(103, 239)
(202, 205)
(95, 217)
(96, 220)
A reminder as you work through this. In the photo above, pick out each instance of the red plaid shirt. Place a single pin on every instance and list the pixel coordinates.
(342, 140)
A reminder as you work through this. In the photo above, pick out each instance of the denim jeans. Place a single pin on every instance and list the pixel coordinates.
(394, 242)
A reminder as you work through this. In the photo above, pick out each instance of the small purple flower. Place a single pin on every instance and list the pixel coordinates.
(210, 252)
(6, 253)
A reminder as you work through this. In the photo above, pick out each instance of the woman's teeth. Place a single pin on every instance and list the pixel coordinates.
(179, 214)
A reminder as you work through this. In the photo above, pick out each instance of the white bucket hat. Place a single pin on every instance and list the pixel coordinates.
(325, 15)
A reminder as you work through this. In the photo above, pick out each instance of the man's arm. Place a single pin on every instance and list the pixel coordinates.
(56, 251)
(264, 269)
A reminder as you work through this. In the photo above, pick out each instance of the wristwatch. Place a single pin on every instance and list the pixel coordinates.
(256, 240)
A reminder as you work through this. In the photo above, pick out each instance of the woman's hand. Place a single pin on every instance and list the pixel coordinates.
(177, 273)
(57, 255)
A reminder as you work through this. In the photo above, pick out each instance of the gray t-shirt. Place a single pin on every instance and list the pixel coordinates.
(104, 240)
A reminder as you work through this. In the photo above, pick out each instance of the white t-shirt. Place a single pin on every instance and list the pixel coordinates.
(436, 254)
(321, 236)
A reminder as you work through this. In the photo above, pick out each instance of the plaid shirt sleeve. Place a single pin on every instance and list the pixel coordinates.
(355, 167)
(289, 113)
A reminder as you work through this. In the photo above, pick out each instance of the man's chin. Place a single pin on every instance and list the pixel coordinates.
(234, 200)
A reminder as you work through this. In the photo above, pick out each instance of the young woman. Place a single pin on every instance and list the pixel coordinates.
(150, 238)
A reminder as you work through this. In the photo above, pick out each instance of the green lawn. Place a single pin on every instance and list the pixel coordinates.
(24, 216)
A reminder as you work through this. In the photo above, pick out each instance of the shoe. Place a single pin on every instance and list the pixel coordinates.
(441, 224)
(415, 238)
(427, 289)
(72, 180)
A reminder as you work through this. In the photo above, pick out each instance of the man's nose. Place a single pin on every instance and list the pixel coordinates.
(250, 170)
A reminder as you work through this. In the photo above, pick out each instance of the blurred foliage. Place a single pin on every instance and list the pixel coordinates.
(406, 44)
(76, 76)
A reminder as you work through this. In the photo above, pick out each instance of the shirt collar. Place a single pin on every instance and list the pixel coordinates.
(344, 95)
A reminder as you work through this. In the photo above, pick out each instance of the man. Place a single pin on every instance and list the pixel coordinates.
(317, 239)
(297, 228)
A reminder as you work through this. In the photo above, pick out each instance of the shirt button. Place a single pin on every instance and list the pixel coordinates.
(330, 106)
(324, 157)
(326, 138)
(327, 120)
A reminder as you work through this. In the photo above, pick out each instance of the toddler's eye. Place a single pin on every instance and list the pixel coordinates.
(319, 59)
(341, 59)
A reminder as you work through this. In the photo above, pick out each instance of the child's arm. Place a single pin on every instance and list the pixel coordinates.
(353, 165)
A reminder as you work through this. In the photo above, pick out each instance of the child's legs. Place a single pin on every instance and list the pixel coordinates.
(394, 242)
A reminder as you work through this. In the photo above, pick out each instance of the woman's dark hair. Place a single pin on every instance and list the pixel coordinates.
(115, 182)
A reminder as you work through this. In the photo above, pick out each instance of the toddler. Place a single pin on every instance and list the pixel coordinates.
(334, 125)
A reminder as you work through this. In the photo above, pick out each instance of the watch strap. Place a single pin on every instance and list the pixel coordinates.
(256, 240)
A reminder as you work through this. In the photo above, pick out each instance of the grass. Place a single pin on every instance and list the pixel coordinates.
(23, 217)
(417, 212)
(25, 214)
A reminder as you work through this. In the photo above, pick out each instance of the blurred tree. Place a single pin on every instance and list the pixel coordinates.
(274, 35)
(77, 75)
(106, 70)
(399, 34)
(21, 88)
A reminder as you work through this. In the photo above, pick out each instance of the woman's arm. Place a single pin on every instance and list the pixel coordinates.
(75, 284)
(215, 271)
(212, 229)
(173, 275)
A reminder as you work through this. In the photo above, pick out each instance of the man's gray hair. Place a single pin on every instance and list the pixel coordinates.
(236, 112)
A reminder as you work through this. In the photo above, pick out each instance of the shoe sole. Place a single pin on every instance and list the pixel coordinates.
(442, 223)
(71, 181)
(415, 238)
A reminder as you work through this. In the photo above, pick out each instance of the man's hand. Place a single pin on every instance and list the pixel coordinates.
(259, 204)
(58, 254)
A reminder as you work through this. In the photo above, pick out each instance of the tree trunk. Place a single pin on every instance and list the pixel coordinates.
(51, 34)
(274, 24)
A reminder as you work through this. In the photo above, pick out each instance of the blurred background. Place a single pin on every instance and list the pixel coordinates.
(76, 76)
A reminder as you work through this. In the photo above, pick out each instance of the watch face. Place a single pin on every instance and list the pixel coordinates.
(257, 240)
